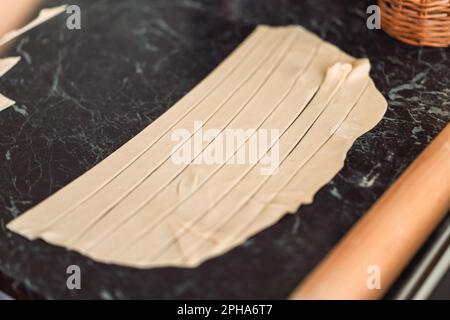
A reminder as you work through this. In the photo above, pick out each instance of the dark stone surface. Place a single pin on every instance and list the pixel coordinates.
(82, 94)
(442, 290)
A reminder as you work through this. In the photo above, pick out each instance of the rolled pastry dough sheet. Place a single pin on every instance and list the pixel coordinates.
(270, 202)
(328, 108)
(138, 208)
(256, 112)
(253, 108)
(242, 72)
(227, 177)
(290, 106)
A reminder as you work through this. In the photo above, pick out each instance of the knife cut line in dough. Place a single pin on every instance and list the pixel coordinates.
(116, 218)
(137, 208)
(221, 214)
(225, 169)
(357, 122)
(89, 184)
(328, 160)
(149, 206)
(255, 117)
(112, 194)
(295, 139)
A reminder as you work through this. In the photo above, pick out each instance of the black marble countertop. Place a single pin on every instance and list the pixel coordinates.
(83, 93)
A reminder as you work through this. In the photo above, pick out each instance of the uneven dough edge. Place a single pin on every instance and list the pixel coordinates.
(81, 189)
(337, 148)
(341, 140)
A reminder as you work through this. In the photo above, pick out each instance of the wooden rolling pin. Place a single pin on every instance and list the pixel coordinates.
(374, 252)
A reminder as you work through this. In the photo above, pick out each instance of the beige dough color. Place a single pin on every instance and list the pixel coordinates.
(5, 65)
(139, 208)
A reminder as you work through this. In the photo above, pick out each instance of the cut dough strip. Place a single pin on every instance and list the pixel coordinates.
(302, 144)
(112, 194)
(229, 175)
(304, 184)
(267, 206)
(138, 208)
(262, 40)
(192, 178)
(232, 212)
(253, 116)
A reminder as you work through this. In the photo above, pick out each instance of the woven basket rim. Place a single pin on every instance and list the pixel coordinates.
(417, 22)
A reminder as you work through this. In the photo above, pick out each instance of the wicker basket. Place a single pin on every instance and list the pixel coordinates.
(417, 22)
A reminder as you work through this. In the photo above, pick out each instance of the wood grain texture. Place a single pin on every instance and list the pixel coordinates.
(391, 232)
